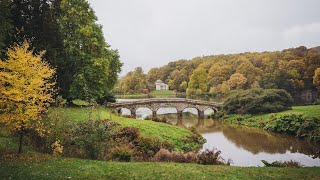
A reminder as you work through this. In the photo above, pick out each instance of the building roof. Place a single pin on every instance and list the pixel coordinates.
(159, 81)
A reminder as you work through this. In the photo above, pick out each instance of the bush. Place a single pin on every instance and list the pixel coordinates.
(90, 139)
(128, 133)
(298, 125)
(211, 157)
(317, 102)
(147, 147)
(165, 155)
(257, 101)
(207, 157)
(121, 153)
(290, 163)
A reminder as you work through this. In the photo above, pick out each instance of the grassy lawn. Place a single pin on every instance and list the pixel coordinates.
(164, 132)
(163, 94)
(35, 166)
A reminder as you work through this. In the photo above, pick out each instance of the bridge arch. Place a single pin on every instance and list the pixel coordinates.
(154, 104)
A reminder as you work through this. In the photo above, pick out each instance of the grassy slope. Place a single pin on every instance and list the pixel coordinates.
(48, 167)
(255, 120)
(164, 132)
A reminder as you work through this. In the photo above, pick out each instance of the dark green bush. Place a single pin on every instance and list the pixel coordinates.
(90, 139)
(257, 101)
(298, 125)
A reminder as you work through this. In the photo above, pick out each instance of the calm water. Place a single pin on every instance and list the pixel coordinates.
(244, 146)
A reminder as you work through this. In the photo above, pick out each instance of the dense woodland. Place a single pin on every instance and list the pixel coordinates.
(86, 66)
(292, 69)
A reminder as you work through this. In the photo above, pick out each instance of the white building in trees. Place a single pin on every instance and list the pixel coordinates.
(161, 85)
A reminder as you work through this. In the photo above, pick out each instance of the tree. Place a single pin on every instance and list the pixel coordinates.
(133, 82)
(6, 24)
(237, 81)
(183, 86)
(26, 89)
(198, 81)
(218, 73)
(86, 48)
(73, 41)
(316, 78)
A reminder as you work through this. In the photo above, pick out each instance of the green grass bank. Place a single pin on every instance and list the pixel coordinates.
(260, 119)
(39, 166)
(163, 132)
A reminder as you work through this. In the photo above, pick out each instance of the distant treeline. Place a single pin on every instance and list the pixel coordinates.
(293, 70)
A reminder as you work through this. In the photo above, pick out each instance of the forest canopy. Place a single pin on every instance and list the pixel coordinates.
(292, 69)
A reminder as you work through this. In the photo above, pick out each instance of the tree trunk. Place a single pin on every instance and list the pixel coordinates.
(20, 143)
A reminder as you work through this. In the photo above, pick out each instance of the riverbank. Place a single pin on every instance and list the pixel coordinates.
(40, 166)
(301, 121)
(176, 136)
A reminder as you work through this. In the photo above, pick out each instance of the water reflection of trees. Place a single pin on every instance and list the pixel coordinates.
(256, 140)
(252, 139)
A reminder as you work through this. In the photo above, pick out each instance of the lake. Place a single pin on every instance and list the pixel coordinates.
(245, 146)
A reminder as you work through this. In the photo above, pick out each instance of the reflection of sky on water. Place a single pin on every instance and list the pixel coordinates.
(244, 146)
(243, 157)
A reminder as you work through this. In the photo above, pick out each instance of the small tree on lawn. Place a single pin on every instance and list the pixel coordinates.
(26, 89)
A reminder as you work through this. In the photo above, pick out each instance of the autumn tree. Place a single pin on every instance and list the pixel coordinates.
(198, 82)
(133, 82)
(218, 73)
(316, 78)
(26, 89)
(183, 86)
(237, 81)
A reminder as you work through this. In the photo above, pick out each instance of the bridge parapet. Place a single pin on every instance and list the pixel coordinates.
(155, 103)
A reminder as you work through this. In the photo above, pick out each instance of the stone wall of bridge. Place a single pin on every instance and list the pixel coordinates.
(178, 103)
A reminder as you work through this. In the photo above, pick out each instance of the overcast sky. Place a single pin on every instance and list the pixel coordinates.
(151, 33)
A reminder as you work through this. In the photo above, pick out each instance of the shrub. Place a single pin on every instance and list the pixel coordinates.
(298, 125)
(317, 102)
(121, 153)
(57, 148)
(55, 126)
(207, 157)
(290, 163)
(90, 139)
(147, 147)
(256, 101)
(165, 155)
(211, 157)
(128, 133)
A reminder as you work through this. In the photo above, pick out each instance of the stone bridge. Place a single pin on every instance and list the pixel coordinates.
(155, 103)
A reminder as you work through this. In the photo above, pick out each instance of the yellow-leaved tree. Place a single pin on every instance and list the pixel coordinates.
(26, 89)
